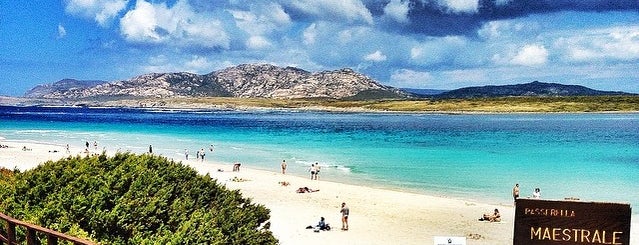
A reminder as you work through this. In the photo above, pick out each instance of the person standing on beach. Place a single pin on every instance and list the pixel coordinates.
(516, 192)
(151, 149)
(312, 170)
(283, 166)
(317, 170)
(345, 211)
(202, 154)
(186, 154)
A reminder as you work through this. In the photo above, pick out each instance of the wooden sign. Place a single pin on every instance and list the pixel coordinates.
(544, 222)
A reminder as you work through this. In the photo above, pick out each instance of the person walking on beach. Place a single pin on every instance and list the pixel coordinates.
(283, 166)
(151, 149)
(202, 154)
(516, 192)
(344, 212)
(186, 154)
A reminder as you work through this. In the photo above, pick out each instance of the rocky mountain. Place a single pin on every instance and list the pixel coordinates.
(59, 87)
(247, 80)
(535, 88)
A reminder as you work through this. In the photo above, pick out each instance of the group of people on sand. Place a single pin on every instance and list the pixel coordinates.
(314, 169)
(496, 216)
(535, 195)
(323, 226)
(199, 155)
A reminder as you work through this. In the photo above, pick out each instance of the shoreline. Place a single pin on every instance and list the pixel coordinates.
(378, 216)
(143, 104)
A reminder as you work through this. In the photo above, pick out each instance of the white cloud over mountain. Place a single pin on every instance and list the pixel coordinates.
(442, 44)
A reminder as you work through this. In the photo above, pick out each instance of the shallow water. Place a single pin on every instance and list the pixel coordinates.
(594, 157)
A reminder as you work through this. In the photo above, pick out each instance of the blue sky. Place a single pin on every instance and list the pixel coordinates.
(435, 44)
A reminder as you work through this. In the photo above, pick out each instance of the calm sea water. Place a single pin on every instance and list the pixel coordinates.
(594, 157)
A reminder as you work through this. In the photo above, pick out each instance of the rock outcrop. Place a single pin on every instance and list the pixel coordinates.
(247, 81)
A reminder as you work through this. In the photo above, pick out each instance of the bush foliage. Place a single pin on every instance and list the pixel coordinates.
(133, 199)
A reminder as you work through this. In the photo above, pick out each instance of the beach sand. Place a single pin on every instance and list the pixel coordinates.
(377, 216)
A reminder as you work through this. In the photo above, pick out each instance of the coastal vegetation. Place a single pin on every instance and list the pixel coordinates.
(132, 199)
(613, 103)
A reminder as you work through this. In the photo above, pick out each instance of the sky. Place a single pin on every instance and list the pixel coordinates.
(430, 44)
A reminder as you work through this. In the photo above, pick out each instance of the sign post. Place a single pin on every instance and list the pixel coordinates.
(545, 222)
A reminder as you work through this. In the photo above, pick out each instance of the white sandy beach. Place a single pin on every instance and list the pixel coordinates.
(377, 216)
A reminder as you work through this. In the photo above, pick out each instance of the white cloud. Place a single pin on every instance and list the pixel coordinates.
(175, 26)
(198, 64)
(261, 19)
(405, 78)
(100, 10)
(258, 42)
(141, 24)
(62, 32)
(310, 34)
(440, 50)
(376, 56)
(531, 55)
(601, 45)
(461, 6)
(163, 63)
(397, 10)
(352, 11)
(507, 30)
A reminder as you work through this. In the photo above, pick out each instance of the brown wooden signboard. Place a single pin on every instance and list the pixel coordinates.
(545, 222)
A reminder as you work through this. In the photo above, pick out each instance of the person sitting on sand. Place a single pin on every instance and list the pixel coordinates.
(305, 190)
(537, 193)
(494, 217)
(322, 225)
(236, 166)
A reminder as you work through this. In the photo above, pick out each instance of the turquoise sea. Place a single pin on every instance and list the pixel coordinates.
(594, 157)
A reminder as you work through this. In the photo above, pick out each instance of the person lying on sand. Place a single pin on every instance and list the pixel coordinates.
(236, 179)
(283, 183)
(305, 190)
(494, 217)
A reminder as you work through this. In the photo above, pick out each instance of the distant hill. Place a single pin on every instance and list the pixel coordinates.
(59, 87)
(535, 89)
(424, 92)
(246, 81)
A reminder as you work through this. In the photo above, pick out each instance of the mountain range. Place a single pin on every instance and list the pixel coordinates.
(269, 81)
(245, 81)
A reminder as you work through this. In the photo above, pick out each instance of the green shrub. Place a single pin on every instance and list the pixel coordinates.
(133, 199)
